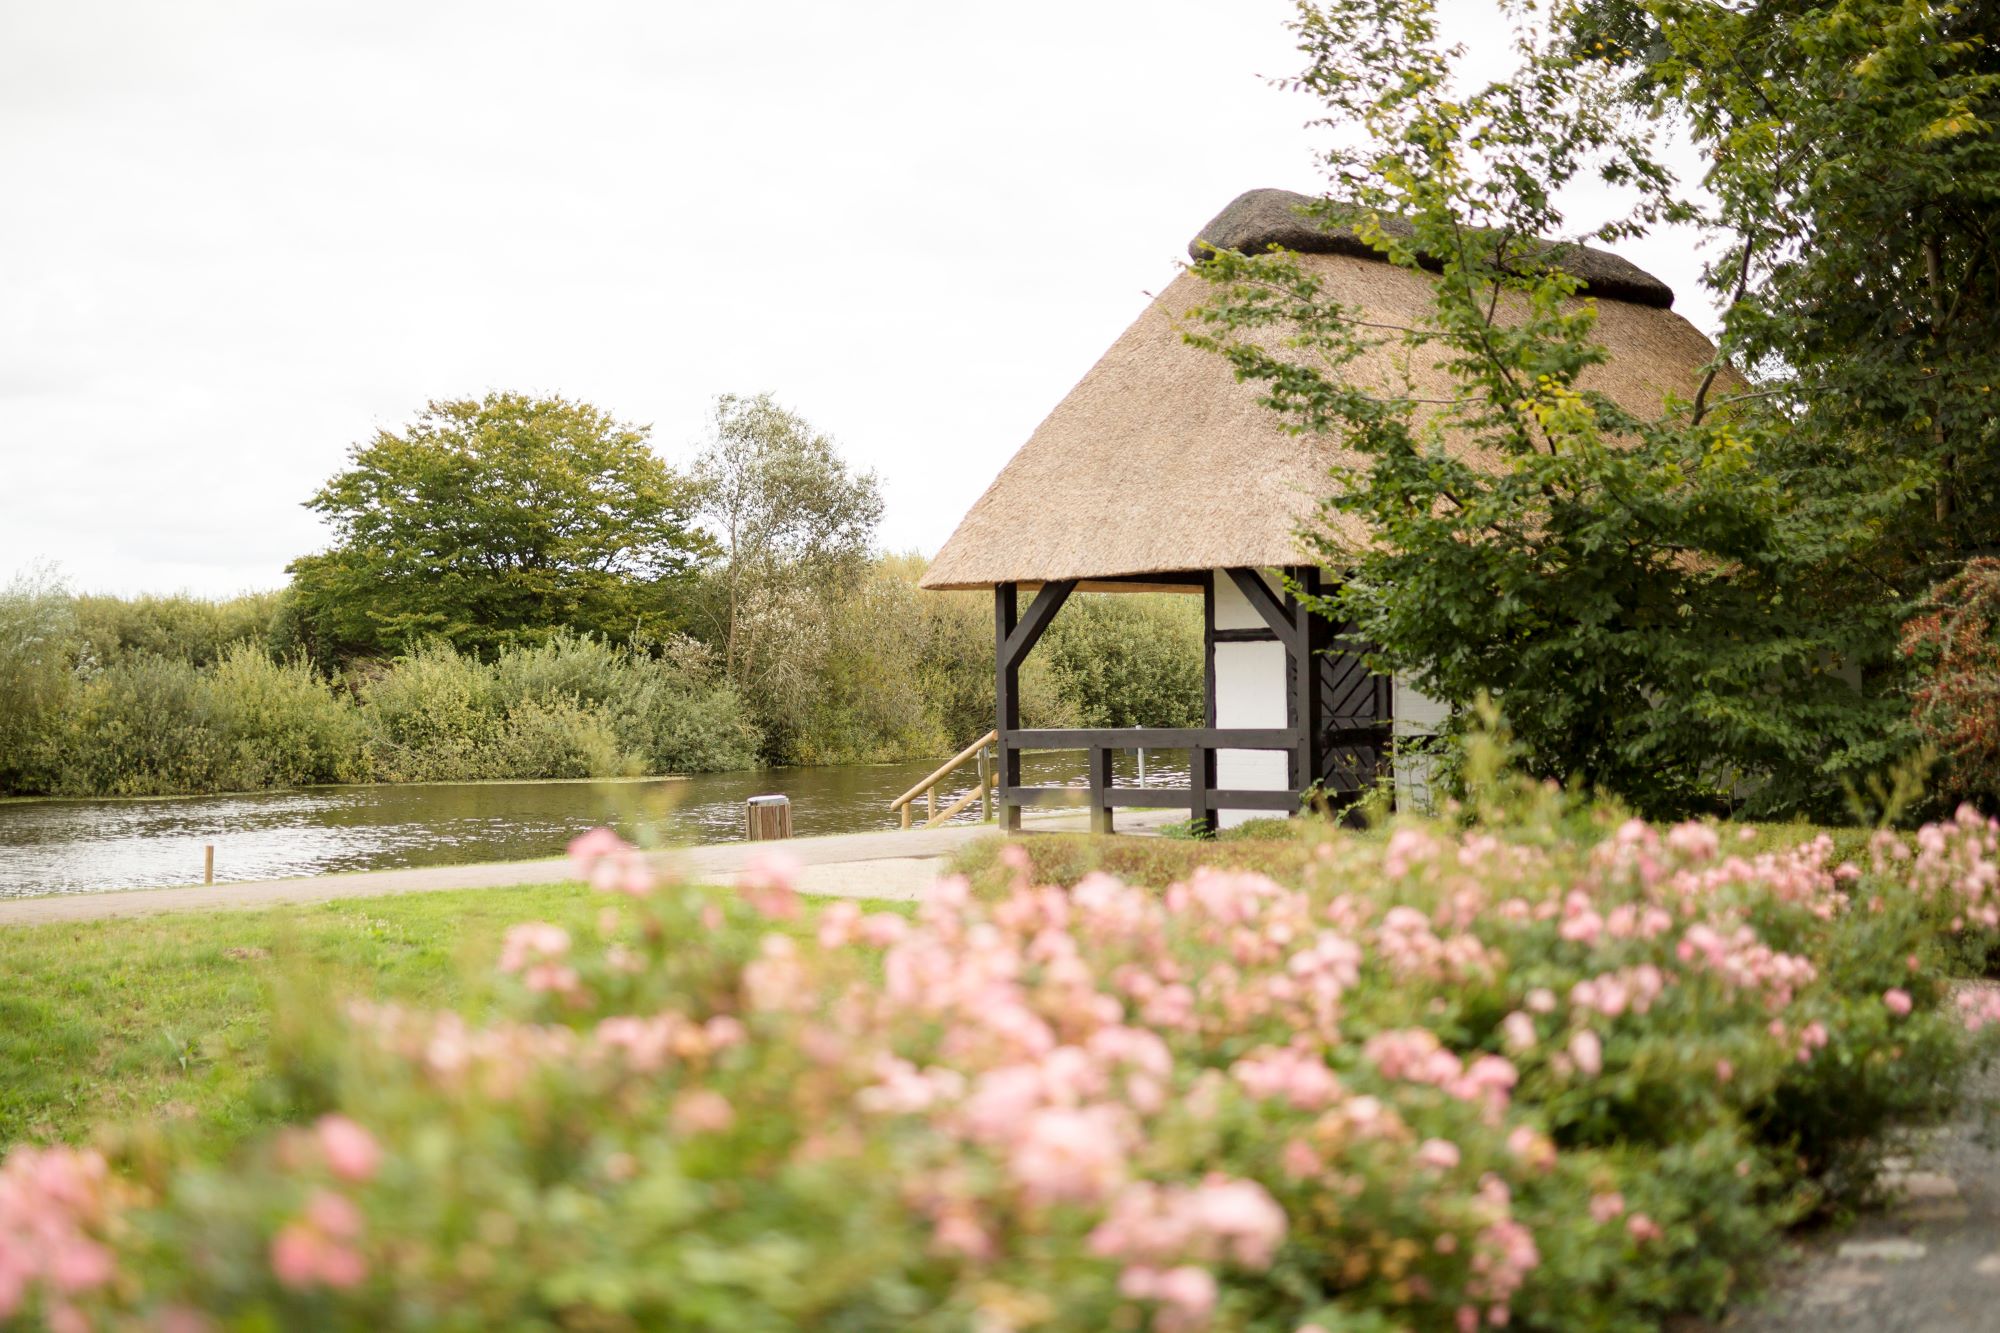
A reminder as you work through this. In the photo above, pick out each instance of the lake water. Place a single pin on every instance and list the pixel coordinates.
(62, 846)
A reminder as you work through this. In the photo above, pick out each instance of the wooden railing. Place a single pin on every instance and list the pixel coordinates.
(982, 790)
(1201, 798)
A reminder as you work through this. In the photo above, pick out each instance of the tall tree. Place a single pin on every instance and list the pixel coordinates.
(1853, 158)
(497, 522)
(791, 516)
(1643, 595)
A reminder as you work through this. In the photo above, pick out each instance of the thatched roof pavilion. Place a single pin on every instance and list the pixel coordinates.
(1160, 469)
(1159, 460)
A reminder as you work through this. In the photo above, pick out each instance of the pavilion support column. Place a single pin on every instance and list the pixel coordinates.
(1307, 711)
(1014, 634)
(1007, 695)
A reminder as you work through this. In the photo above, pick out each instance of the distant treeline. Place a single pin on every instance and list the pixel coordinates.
(152, 695)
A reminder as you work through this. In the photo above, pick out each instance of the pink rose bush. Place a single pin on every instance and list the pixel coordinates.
(1451, 1079)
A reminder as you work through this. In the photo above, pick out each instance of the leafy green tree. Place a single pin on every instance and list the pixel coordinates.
(1853, 156)
(792, 518)
(499, 522)
(1646, 601)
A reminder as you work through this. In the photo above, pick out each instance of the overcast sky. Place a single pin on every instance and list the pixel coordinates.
(236, 238)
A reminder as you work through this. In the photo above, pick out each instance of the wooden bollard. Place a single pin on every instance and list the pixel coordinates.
(208, 864)
(767, 817)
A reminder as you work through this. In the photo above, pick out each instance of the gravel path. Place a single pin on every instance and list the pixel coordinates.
(1927, 1263)
(895, 864)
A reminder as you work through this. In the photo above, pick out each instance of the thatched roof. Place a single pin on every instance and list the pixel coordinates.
(1158, 460)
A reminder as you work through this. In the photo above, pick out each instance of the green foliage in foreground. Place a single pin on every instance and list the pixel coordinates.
(1552, 1068)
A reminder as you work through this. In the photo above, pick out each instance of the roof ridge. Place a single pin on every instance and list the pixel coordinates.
(1258, 219)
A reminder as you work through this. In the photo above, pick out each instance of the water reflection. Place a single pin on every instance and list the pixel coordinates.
(87, 846)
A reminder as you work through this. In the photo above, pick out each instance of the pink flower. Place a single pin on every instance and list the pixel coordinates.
(1518, 1030)
(1438, 1154)
(350, 1151)
(610, 864)
(1643, 1228)
(1898, 1000)
(1604, 1207)
(769, 881)
(318, 1248)
(702, 1111)
(1587, 1049)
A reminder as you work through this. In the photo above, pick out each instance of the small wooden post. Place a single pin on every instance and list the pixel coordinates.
(1201, 781)
(767, 817)
(208, 864)
(1100, 780)
(931, 797)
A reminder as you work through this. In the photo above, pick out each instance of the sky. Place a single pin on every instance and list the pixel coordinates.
(238, 238)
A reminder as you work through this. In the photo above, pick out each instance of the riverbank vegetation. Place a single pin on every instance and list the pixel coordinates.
(630, 619)
(158, 695)
(1550, 1069)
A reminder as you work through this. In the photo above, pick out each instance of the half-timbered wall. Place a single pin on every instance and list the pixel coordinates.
(1250, 676)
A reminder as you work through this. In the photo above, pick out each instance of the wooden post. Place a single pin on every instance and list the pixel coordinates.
(208, 864)
(1307, 708)
(1100, 779)
(1007, 700)
(1201, 781)
(985, 788)
(767, 817)
(1014, 636)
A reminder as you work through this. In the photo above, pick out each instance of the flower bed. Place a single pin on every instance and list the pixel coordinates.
(1492, 1078)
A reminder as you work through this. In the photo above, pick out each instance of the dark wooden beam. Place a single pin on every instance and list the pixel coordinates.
(1035, 621)
(1244, 636)
(1307, 710)
(1171, 798)
(1263, 601)
(1100, 785)
(1179, 578)
(1201, 785)
(1007, 701)
(1156, 738)
(1208, 648)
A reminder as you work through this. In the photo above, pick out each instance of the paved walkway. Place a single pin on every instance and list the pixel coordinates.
(892, 864)
(1928, 1263)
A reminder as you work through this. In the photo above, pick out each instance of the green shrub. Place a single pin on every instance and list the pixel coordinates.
(196, 630)
(433, 716)
(143, 726)
(1554, 1071)
(281, 723)
(37, 641)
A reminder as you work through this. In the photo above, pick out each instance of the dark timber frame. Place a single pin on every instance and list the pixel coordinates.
(1325, 686)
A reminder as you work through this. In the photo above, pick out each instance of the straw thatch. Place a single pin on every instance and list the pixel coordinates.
(1160, 461)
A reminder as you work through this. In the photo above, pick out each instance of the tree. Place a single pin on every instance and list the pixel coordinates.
(792, 518)
(1645, 598)
(1854, 166)
(498, 522)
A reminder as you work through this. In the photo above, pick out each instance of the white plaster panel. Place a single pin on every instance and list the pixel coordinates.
(1233, 609)
(1417, 714)
(1249, 692)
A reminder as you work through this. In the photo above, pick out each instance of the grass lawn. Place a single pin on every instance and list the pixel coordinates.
(108, 1020)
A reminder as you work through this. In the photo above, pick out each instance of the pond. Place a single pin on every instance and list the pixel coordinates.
(84, 846)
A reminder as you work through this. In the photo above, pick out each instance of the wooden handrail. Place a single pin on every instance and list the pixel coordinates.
(944, 771)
